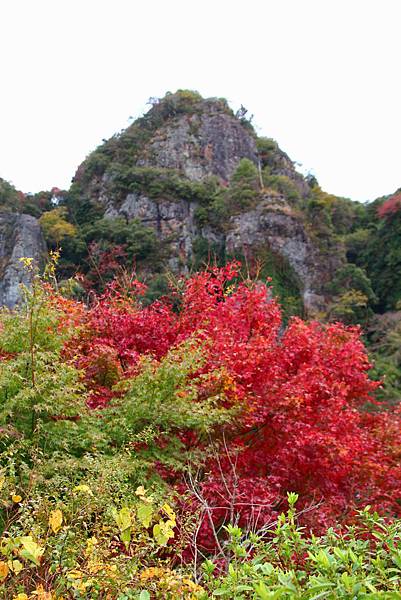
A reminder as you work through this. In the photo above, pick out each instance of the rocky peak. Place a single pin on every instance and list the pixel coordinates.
(205, 142)
(158, 172)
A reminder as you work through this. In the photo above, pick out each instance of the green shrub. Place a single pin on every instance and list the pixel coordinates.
(362, 561)
(244, 186)
(41, 397)
(282, 184)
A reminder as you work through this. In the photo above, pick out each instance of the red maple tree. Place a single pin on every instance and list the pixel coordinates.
(300, 392)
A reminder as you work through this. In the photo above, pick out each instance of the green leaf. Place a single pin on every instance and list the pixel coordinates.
(261, 591)
(162, 532)
(123, 518)
(124, 523)
(145, 513)
(396, 559)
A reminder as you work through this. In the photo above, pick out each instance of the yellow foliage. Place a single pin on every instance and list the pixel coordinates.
(170, 513)
(90, 545)
(96, 565)
(41, 594)
(140, 491)
(152, 573)
(83, 488)
(55, 227)
(4, 570)
(27, 262)
(55, 520)
(170, 581)
(31, 550)
(15, 566)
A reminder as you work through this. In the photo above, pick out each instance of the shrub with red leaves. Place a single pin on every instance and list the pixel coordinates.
(301, 424)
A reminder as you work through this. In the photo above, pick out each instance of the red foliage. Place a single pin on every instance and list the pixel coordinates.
(390, 206)
(104, 264)
(301, 392)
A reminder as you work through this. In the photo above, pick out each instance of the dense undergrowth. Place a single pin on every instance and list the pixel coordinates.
(146, 451)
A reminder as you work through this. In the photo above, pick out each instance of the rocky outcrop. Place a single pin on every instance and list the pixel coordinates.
(173, 222)
(273, 224)
(201, 145)
(20, 236)
(193, 139)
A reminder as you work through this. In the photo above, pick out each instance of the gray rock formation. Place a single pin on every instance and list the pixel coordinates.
(201, 145)
(272, 224)
(275, 225)
(173, 222)
(20, 236)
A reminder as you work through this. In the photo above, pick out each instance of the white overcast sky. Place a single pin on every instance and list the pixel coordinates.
(322, 77)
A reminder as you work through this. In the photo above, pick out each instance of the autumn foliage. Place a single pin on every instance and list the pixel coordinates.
(390, 206)
(300, 396)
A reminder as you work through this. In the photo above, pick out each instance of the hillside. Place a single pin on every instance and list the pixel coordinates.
(190, 182)
(185, 398)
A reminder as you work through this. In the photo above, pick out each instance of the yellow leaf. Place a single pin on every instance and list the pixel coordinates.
(2, 480)
(16, 498)
(123, 518)
(83, 488)
(75, 574)
(90, 545)
(169, 511)
(16, 566)
(145, 513)
(21, 597)
(124, 522)
(31, 550)
(4, 570)
(55, 520)
(41, 593)
(151, 573)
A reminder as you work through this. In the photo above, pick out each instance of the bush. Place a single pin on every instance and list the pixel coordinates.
(244, 185)
(282, 184)
(362, 561)
(55, 226)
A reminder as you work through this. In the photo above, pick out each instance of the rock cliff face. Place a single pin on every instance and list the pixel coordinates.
(201, 145)
(275, 225)
(173, 222)
(20, 236)
(207, 140)
(272, 224)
